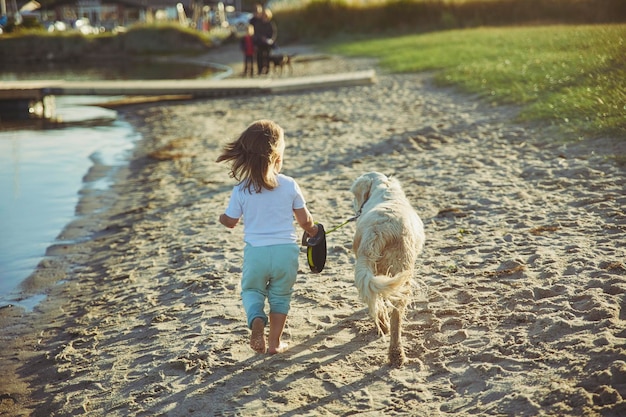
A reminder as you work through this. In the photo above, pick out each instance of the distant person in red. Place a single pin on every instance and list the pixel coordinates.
(248, 49)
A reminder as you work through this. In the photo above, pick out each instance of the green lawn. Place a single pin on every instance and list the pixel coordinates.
(570, 76)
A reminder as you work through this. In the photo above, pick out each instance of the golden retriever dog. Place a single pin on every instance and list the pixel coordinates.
(389, 236)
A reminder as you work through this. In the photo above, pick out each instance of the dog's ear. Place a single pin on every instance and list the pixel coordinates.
(361, 190)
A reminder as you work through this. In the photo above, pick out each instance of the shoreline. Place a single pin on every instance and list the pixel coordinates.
(46, 172)
(523, 308)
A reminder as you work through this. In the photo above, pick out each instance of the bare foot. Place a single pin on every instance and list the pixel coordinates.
(257, 338)
(277, 324)
(282, 347)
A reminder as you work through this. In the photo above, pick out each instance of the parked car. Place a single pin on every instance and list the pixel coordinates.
(84, 26)
(57, 26)
(238, 21)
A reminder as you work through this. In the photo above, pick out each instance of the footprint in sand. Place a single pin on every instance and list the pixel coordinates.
(453, 329)
(447, 332)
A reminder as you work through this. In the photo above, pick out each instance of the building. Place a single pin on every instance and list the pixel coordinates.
(107, 14)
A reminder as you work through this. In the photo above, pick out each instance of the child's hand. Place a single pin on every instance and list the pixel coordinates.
(318, 237)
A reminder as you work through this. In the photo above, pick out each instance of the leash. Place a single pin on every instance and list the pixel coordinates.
(351, 219)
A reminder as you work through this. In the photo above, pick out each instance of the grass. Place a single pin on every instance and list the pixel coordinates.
(308, 20)
(573, 77)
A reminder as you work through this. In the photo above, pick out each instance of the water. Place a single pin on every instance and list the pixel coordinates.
(41, 174)
(42, 170)
(118, 70)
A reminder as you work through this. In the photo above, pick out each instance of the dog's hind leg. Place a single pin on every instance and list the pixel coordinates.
(396, 350)
(383, 322)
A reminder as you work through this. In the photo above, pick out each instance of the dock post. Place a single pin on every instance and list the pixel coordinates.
(26, 103)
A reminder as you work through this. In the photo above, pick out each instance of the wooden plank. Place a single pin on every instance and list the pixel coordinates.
(196, 88)
(350, 79)
(21, 94)
(128, 101)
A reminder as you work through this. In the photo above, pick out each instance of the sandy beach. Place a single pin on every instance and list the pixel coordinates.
(521, 301)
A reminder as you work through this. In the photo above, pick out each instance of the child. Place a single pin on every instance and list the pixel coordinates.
(268, 201)
(247, 46)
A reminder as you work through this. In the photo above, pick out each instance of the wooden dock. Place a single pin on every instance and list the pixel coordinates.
(17, 97)
(212, 88)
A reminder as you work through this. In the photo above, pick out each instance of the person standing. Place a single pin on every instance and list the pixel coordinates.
(268, 201)
(256, 21)
(265, 33)
(248, 49)
(257, 16)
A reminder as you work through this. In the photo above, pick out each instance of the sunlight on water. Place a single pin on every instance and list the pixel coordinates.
(41, 174)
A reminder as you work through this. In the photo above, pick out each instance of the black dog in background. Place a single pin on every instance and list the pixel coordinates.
(281, 61)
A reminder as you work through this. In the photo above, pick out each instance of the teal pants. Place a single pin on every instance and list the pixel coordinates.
(269, 272)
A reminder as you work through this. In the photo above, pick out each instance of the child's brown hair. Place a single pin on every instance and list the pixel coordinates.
(254, 155)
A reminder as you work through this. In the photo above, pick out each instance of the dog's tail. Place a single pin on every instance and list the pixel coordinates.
(375, 289)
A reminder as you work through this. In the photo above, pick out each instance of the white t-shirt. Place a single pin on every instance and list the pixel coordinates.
(268, 216)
